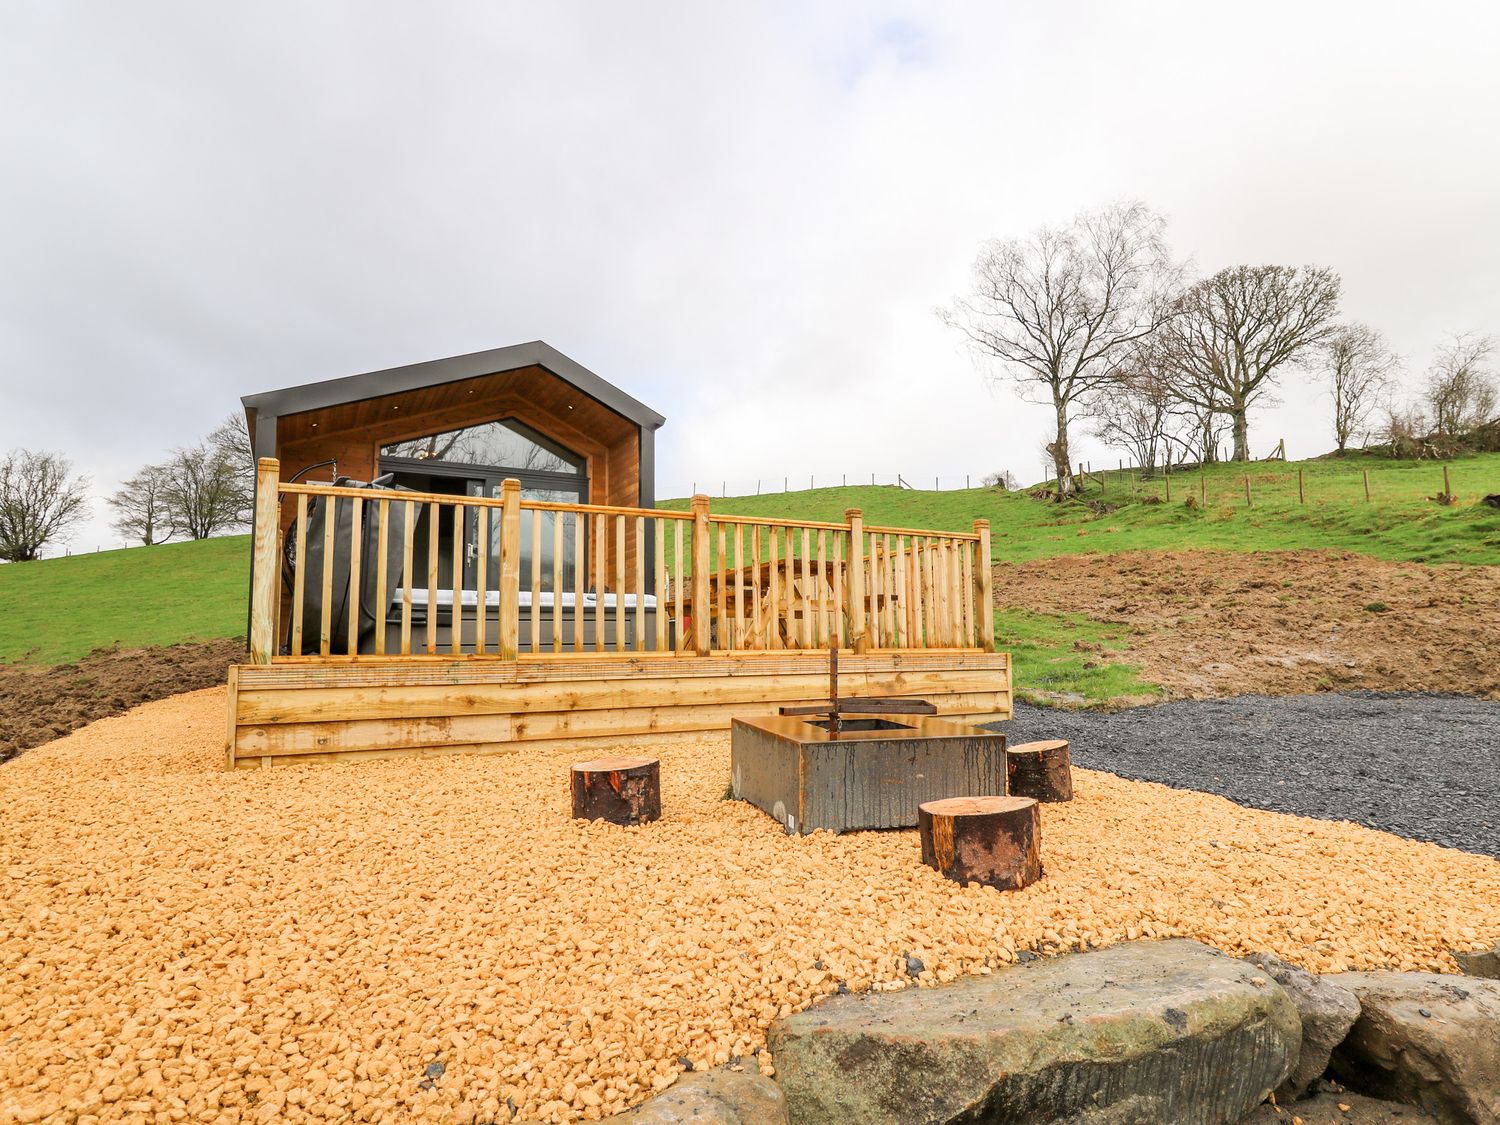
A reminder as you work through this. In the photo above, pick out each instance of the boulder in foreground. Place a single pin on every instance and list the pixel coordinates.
(1149, 1031)
(1328, 1010)
(1425, 1039)
(713, 1097)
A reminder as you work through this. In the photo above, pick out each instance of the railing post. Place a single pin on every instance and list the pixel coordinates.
(701, 607)
(264, 595)
(859, 637)
(510, 568)
(984, 609)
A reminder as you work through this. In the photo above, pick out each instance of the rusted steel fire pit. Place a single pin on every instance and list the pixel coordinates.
(852, 764)
(873, 774)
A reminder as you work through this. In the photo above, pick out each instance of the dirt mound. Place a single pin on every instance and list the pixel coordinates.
(1214, 623)
(40, 704)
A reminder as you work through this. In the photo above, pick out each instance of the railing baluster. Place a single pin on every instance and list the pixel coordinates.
(481, 577)
(299, 574)
(807, 590)
(903, 626)
(580, 580)
(677, 586)
(408, 535)
(820, 585)
(840, 550)
(983, 594)
(620, 584)
(356, 550)
(382, 607)
(325, 618)
(966, 594)
(536, 581)
(432, 576)
(737, 637)
(600, 583)
(720, 567)
(757, 631)
(456, 610)
(773, 583)
(858, 638)
(640, 583)
(557, 581)
(659, 581)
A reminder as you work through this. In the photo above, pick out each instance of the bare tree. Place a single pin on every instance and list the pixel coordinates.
(1132, 412)
(1055, 311)
(1460, 387)
(141, 509)
(230, 441)
(40, 502)
(1360, 370)
(204, 492)
(1237, 331)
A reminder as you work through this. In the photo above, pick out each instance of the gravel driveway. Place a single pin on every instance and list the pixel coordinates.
(1423, 766)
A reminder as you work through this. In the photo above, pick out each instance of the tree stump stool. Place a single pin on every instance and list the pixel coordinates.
(619, 790)
(996, 841)
(1039, 769)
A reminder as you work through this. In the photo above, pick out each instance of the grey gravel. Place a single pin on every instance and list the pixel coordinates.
(1422, 766)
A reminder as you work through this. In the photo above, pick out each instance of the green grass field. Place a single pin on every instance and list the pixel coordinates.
(60, 609)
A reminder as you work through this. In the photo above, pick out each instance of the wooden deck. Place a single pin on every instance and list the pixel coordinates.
(304, 712)
(640, 626)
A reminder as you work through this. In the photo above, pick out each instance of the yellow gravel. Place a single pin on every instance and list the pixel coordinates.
(183, 944)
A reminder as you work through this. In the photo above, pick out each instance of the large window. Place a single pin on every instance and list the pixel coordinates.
(505, 444)
(473, 461)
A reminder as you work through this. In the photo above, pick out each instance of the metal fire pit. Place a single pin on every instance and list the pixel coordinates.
(872, 772)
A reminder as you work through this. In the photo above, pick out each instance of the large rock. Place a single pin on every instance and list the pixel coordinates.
(1150, 1031)
(1428, 1040)
(1328, 1011)
(713, 1097)
(1479, 962)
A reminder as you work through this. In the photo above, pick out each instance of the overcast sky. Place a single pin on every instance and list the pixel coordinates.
(743, 214)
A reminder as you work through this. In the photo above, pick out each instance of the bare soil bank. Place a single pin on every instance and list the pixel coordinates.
(1216, 623)
(38, 704)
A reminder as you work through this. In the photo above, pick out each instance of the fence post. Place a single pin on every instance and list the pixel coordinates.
(858, 639)
(1202, 488)
(265, 596)
(1301, 492)
(701, 608)
(1167, 474)
(510, 569)
(1249, 503)
(1367, 485)
(983, 594)
(1447, 487)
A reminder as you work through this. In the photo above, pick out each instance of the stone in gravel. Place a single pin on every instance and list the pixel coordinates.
(914, 966)
(713, 1097)
(1049, 1041)
(1328, 1011)
(1479, 963)
(1447, 1062)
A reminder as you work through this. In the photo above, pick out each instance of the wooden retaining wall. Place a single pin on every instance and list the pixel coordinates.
(340, 712)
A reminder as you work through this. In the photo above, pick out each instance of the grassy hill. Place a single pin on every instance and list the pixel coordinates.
(60, 609)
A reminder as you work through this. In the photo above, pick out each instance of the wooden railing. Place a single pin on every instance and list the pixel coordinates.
(391, 573)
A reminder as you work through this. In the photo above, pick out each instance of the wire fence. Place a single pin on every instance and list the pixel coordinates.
(808, 482)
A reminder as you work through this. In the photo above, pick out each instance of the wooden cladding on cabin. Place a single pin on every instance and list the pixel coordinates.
(376, 573)
(308, 712)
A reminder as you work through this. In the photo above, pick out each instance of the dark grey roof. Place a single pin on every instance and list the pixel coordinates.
(373, 384)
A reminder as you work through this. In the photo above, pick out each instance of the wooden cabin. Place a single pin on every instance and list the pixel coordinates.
(465, 555)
